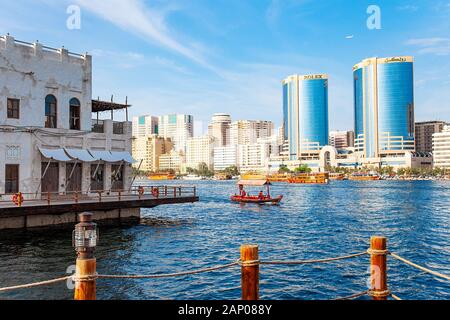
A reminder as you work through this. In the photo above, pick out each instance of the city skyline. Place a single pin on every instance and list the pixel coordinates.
(210, 75)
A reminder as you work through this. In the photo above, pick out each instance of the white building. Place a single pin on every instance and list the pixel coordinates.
(225, 157)
(342, 139)
(48, 142)
(178, 127)
(249, 131)
(147, 151)
(200, 150)
(172, 161)
(441, 148)
(253, 157)
(144, 126)
(219, 129)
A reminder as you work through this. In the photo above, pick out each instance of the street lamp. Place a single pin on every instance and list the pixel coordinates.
(85, 236)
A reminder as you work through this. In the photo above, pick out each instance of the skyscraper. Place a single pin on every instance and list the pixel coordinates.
(219, 129)
(177, 127)
(424, 134)
(342, 139)
(384, 106)
(249, 131)
(144, 126)
(305, 113)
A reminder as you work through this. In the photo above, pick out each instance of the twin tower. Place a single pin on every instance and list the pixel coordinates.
(383, 109)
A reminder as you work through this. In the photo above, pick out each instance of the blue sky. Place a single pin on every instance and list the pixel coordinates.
(206, 56)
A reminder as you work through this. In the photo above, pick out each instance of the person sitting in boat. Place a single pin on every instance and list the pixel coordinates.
(243, 193)
(261, 195)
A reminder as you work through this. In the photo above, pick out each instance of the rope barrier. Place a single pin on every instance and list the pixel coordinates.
(395, 297)
(35, 284)
(313, 261)
(412, 264)
(156, 276)
(353, 296)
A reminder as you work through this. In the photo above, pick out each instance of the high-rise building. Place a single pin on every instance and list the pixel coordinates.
(148, 150)
(249, 131)
(424, 134)
(144, 126)
(384, 106)
(200, 150)
(441, 148)
(178, 127)
(342, 139)
(219, 129)
(305, 113)
(253, 157)
(171, 161)
(225, 157)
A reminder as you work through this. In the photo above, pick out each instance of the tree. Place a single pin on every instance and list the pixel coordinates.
(203, 170)
(190, 170)
(232, 171)
(303, 168)
(284, 169)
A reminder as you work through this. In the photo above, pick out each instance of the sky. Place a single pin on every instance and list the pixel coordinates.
(202, 57)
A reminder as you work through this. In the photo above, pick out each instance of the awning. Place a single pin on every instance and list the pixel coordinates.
(102, 155)
(256, 183)
(80, 155)
(55, 154)
(122, 156)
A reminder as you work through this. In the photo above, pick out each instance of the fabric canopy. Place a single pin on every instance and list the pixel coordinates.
(122, 156)
(253, 182)
(112, 156)
(80, 155)
(55, 154)
(102, 155)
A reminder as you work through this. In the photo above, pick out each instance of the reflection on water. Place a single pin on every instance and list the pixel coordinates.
(313, 221)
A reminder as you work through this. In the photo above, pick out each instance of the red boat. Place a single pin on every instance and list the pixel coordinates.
(242, 197)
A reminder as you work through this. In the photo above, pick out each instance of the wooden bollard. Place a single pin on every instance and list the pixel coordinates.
(250, 272)
(85, 241)
(378, 275)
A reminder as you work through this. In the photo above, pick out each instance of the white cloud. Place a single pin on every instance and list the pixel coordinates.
(437, 46)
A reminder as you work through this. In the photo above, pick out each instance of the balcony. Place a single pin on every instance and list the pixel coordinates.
(118, 128)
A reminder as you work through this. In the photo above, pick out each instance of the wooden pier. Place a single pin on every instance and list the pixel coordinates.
(54, 208)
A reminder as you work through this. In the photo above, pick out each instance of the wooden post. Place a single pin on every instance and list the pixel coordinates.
(195, 191)
(165, 191)
(175, 192)
(86, 265)
(250, 272)
(48, 198)
(378, 276)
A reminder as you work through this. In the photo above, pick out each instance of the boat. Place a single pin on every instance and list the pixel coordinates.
(364, 177)
(222, 176)
(253, 176)
(337, 176)
(310, 178)
(161, 176)
(279, 177)
(242, 197)
(193, 177)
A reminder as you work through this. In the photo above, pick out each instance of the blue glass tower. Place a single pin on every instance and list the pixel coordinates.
(305, 114)
(384, 106)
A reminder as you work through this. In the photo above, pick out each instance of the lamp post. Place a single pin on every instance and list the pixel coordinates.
(85, 240)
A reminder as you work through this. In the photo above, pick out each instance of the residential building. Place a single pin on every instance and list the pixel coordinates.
(424, 134)
(249, 131)
(48, 140)
(172, 161)
(219, 129)
(441, 148)
(253, 157)
(147, 150)
(342, 139)
(225, 157)
(144, 126)
(177, 127)
(384, 107)
(305, 114)
(200, 150)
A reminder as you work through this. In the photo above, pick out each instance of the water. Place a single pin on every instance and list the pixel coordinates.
(314, 221)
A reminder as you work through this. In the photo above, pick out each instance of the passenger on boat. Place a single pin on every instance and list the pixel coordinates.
(243, 193)
(261, 195)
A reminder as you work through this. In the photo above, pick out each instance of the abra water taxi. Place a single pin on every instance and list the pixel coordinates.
(261, 198)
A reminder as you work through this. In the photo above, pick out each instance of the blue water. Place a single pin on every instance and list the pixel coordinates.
(313, 221)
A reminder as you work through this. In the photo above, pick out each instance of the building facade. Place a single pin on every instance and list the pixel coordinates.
(144, 126)
(424, 134)
(441, 148)
(177, 127)
(225, 157)
(384, 106)
(48, 142)
(147, 151)
(172, 161)
(305, 114)
(342, 139)
(249, 131)
(219, 129)
(200, 150)
(253, 157)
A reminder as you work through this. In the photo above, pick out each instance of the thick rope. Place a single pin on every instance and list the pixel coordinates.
(412, 264)
(353, 296)
(156, 276)
(314, 261)
(35, 284)
(395, 297)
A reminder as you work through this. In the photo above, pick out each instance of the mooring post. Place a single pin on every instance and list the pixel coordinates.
(378, 270)
(250, 272)
(85, 241)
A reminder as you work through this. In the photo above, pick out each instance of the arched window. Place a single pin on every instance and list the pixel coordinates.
(75, 114)
(50, 111)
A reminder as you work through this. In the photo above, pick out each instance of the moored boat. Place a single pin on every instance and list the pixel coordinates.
(364, 177)
(161, 176)
(310, 178)
(337, 176)
(261, 198)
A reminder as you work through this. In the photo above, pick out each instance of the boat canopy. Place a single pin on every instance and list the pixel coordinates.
(55, 154)
(80, 155)
(256, 183)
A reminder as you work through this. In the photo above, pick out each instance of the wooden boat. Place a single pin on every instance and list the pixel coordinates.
(263, 199)
(161, 176)
(279, 177)
(310, 178)
(253, 176)
(337, 176)
(364, 177)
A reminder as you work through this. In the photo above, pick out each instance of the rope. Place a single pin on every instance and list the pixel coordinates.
(314, 261)
(249, 263)
(395, 297)
(156, 276)
(35, 284)
(353, 296)
(437, 274)
(376, 252)
(379, 294)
